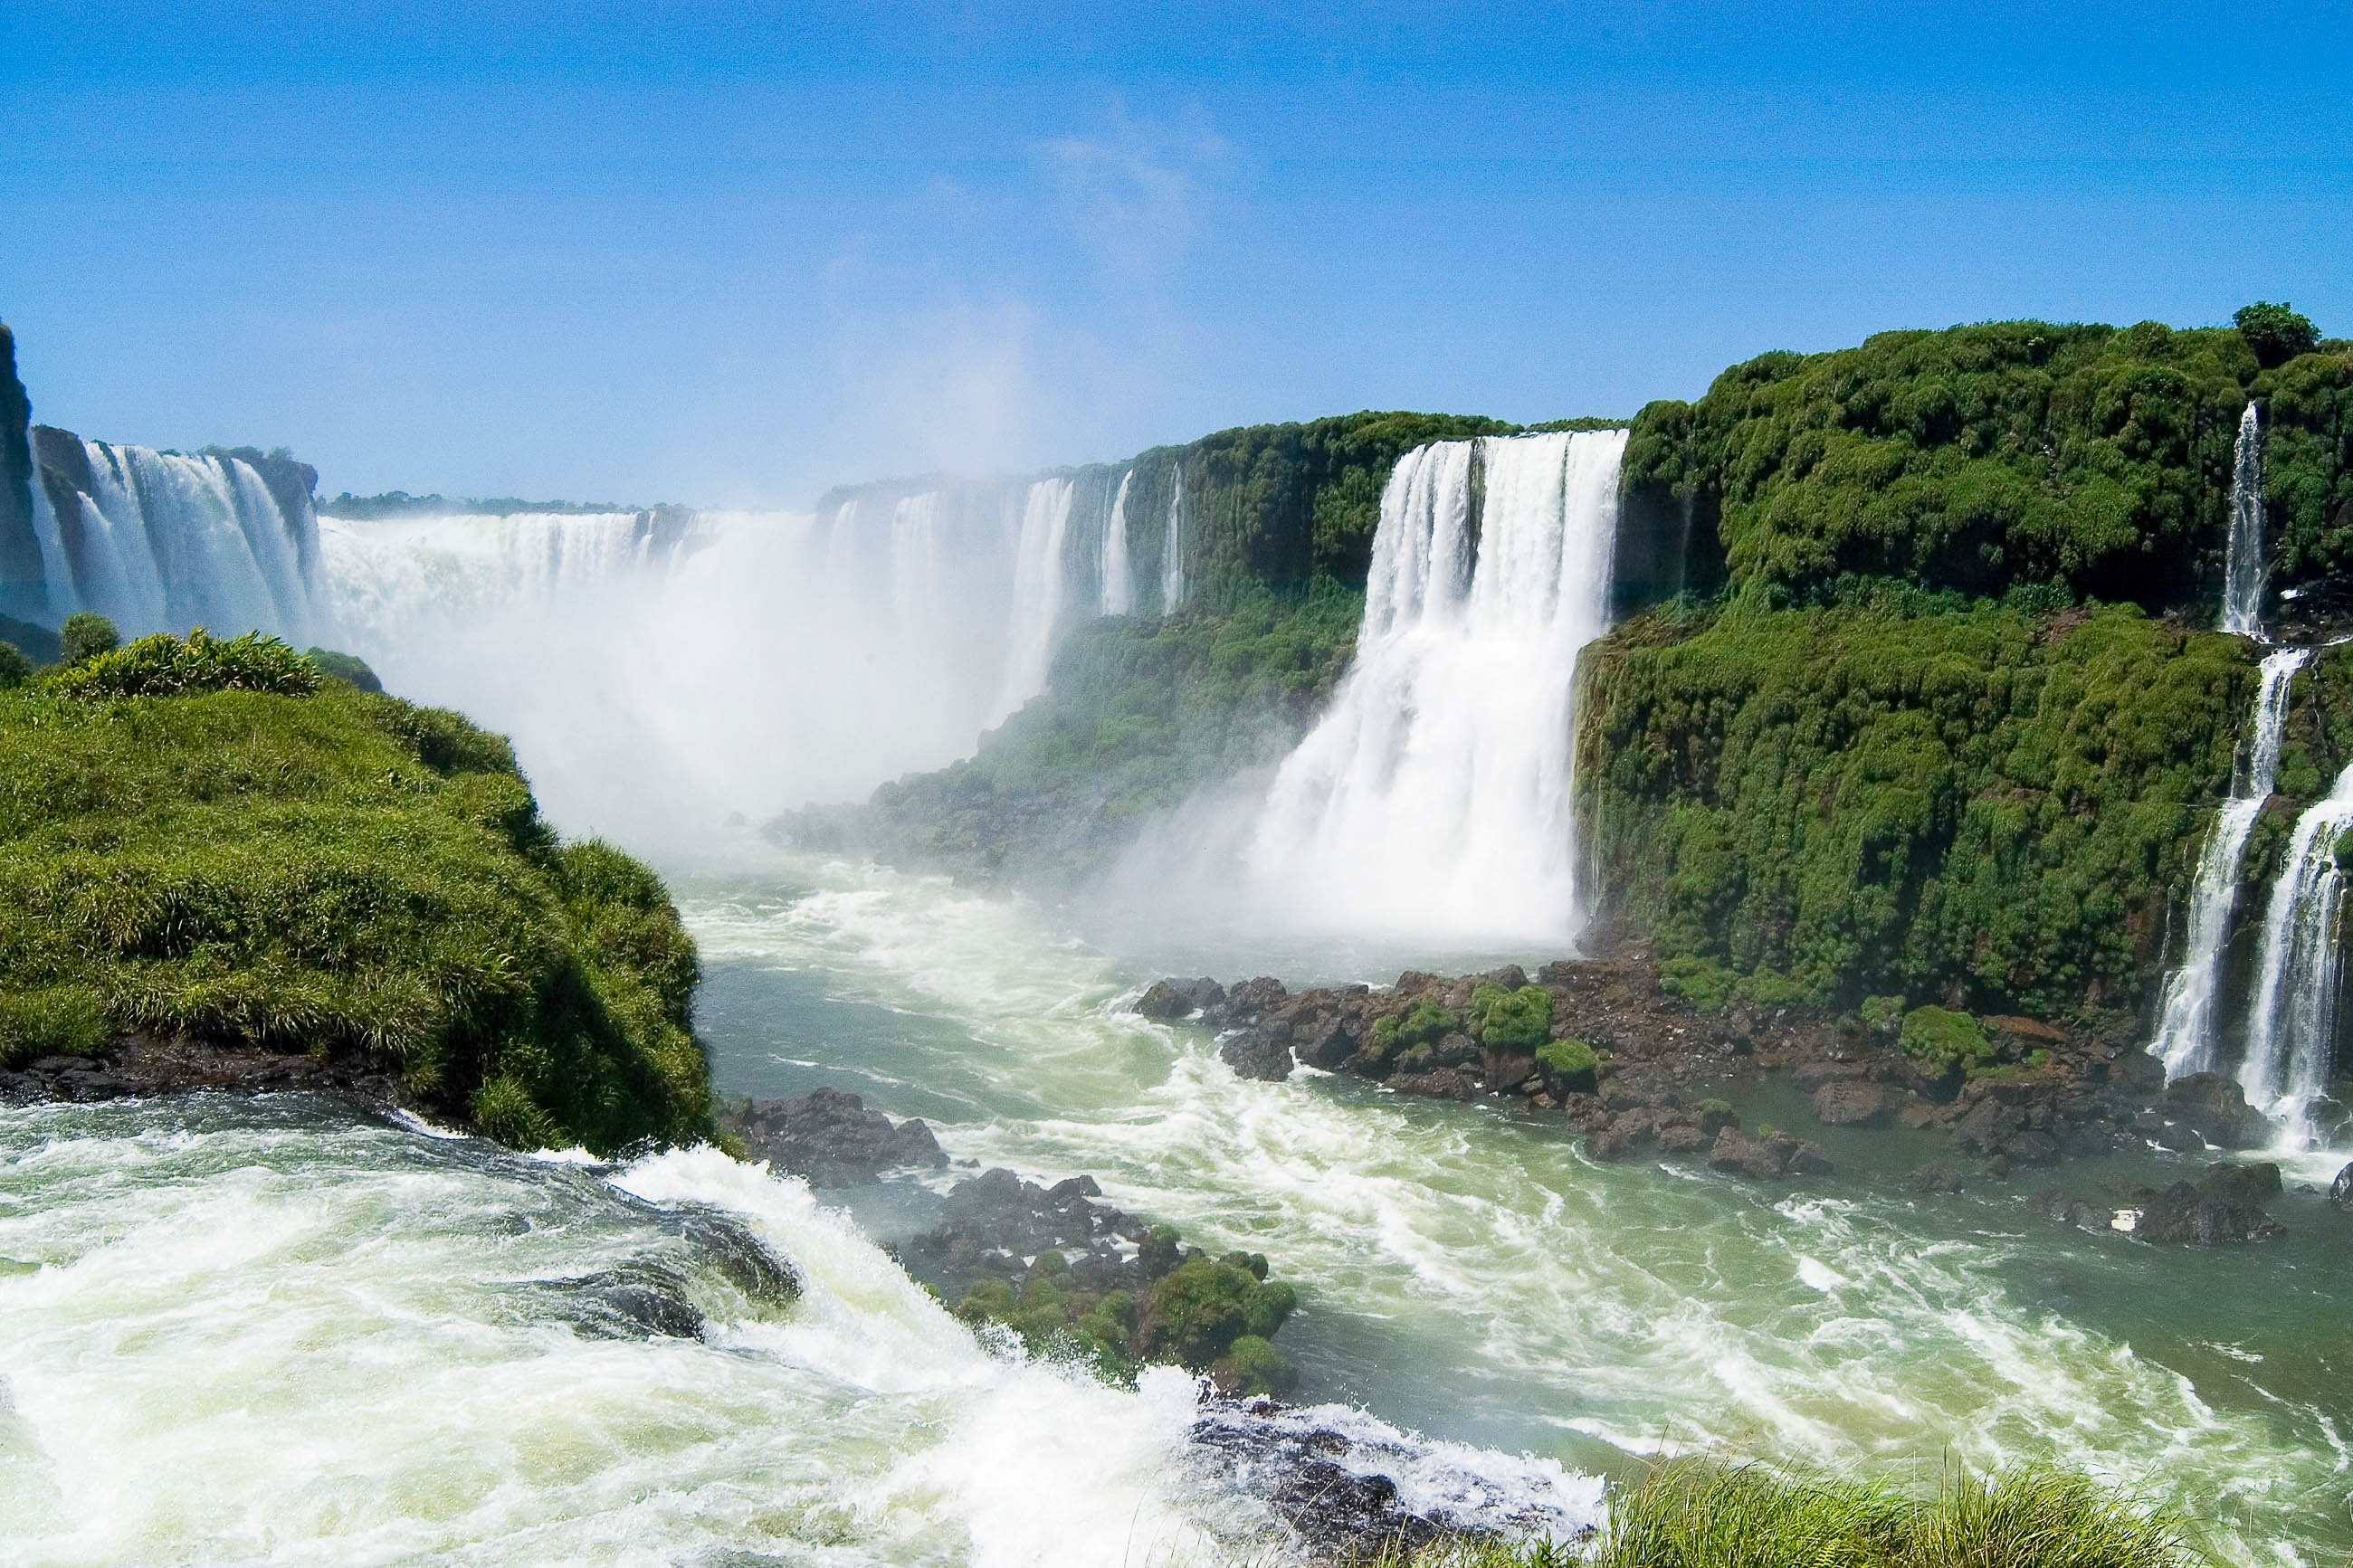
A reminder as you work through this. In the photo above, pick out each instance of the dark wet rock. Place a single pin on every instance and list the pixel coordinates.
(1338, 1490)
(2225, 1206)
(1263, 1051)
(1851, 1103)
(1934, 1177)
(1685, 1138)
(144, 1066)
(1172, 998)
(993, 1223)
(634, 1301)
(743, 1258)
(1443, 1083)
(1246, 1001)
(2215, 1108)
(2066, 1208)
(1766, 1159)
(2340, 1191)
(830, 1138)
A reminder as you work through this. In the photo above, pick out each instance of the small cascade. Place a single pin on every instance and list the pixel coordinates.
(162, 542)
(1039, 585)
(2184, 1036)
(1172, 551)
(2292, 1028)
(915, 587)
(1435, 795)
(1118, 576)
(2245, 570)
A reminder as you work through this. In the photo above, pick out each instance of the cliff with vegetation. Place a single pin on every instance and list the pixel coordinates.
(1913, 690)
(1954, 727)
(24, 596)
(207, 846)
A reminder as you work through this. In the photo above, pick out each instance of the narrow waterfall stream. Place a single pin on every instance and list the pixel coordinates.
(2292, 1028)
(2245, 569)
(2187, 1018)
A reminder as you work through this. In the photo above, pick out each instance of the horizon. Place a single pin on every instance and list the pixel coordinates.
(665, 253)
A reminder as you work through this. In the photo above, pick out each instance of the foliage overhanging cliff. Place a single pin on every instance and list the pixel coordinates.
(205, 839)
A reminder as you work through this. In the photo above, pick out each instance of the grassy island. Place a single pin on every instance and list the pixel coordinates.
(209, 840)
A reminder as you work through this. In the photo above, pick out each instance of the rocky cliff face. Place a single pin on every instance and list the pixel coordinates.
(22, 595)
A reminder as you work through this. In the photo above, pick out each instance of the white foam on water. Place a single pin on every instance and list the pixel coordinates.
(255, 1335)
(1459, 1264)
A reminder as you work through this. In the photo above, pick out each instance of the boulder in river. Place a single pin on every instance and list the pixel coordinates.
(2226, 1205)
(830, 1138)
(1768, 1158)
(2340, 1191)
(1848, 1102)
(2215, 1109)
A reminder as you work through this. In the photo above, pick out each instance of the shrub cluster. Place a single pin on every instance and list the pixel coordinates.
(340, 873)
(1216, 1316)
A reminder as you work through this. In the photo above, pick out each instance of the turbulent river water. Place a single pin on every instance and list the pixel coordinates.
(285, 1330)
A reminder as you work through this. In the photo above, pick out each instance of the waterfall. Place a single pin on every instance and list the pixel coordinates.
(2244, 569)
(2292, 1029)
(1038, 591)
(1434, 795)
(1172, 551)
(2185, 1035)
(916, 561)
(162, 542)
(1118, 576)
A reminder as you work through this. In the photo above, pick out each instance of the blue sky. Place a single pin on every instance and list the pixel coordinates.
(731, 253)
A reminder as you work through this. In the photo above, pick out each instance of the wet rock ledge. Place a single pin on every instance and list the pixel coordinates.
(1066, 1272)
(1633, 1067)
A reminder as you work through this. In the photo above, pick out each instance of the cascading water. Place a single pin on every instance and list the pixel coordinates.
(2185, 1035)
(661, 668)
(2244, 570)
(1172, 551)
(161, 541)
(1040, 588)
(1434, 797)
(2292, 1027)
(1118, 576)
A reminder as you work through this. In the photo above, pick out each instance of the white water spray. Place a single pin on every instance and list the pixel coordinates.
(1435, 795)
(2292, 1029)
(2185, 1035)
(1118, 576)
(2245, 570)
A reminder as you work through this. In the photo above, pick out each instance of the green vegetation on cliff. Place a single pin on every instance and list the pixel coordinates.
(205, 839)
(1896, 756)
(1140, 713)
(1981, 803)
(2081, 459)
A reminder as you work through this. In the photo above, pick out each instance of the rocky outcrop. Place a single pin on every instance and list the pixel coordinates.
(829, 1138)
(1771, 1158)
(1062, 1268)
(2340, 1191)
(144, 1066)
(2223, 1207)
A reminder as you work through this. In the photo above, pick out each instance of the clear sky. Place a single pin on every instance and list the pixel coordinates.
(731, 253)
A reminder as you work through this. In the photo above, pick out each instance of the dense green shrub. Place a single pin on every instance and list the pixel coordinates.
(2276, 332)
(1940, 1038)
(1426, 1023)
(347, 667)
(2087, 460)
(85, 635)
(50, 1020)
(1197, 1311)
(1568, 1058)
(1515, 1020)
(164, 665)
(344, 874)
(15, 667)
(1863, 801)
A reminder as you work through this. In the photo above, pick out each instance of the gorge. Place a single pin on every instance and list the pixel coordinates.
(1871, 684)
